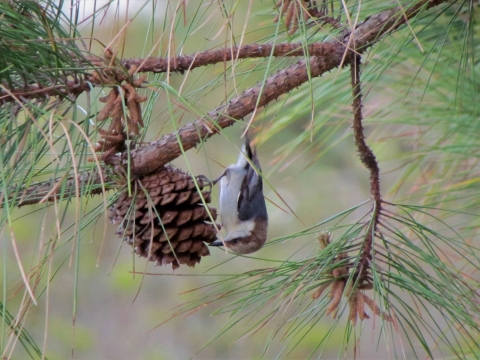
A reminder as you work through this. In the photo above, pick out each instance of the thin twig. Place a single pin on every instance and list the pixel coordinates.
(369, 160)
(56, 189)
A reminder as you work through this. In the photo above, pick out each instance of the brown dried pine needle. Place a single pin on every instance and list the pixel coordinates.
(124, 123)
(356, 297)
(292, 10)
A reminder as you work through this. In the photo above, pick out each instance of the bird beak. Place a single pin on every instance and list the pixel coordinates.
(217, 242)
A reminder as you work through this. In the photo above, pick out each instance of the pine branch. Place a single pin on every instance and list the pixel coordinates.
(329, 55)
(366, 35)
(324, 57)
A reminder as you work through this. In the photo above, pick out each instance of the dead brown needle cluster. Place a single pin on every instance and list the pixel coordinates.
(354, 292)
(122, 106)
(292, 10)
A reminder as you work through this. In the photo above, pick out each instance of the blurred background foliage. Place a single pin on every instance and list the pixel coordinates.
(93, 300)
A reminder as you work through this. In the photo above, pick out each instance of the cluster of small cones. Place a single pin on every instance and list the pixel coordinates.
(354, 291)
(166, 219)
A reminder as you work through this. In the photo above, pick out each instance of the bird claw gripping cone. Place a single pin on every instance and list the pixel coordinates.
(166, 218)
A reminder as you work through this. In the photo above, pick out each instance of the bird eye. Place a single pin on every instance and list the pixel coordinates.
(235, 241)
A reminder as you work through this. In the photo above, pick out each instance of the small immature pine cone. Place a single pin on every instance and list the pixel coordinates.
(165, 219)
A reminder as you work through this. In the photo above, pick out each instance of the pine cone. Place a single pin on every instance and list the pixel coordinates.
(165, 220)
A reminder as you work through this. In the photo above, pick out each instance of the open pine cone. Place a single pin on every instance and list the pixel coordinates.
(165, 219)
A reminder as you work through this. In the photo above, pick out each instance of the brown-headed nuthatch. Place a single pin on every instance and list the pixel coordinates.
(242, 206)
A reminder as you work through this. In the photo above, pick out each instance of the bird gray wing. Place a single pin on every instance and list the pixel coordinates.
(250, 200)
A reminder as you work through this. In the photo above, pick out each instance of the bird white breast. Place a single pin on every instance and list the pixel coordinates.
(229, 193)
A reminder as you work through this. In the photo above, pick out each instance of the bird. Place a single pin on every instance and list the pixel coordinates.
(242, 207)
